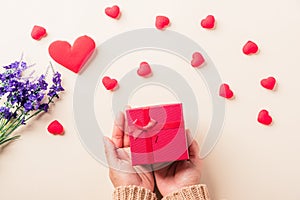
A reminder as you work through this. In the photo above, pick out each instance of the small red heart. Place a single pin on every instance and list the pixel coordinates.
(197, 60)
(268, 83)
(113, 12)
(72, 57)
(225, 91)
(250, 48)
(55, 128)
(144, 69)
(109, 83)
(162, 22)
(264, 117)
(208, 22)
(38, 32)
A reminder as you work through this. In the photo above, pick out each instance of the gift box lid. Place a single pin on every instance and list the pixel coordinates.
(162, 115)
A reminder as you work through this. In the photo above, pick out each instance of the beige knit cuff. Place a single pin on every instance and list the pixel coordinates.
(194, 192)
(133, 192)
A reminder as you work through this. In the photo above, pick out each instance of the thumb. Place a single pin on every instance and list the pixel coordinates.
(194, 149)
(110, 152)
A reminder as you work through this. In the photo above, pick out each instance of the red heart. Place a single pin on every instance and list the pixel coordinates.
(72, 57)
(55, 128)
(113, 12)
(38, 32)
(208, 22)
(144, 69)
(162, 22)
(268, 83)
(264, 117)
(225, 91)
(197, 60)
(250, 48)
(109, 84)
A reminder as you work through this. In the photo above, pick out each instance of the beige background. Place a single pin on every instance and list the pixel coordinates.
(250, 161)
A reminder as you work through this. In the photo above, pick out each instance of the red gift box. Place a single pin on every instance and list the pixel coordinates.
(157, 134)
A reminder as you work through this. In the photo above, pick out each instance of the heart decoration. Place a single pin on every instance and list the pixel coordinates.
(109, 83)
(208, 22)
(72, 57)
(225, 91)
(264, 117)
(250, 48)
(38, 32)
(162, 22)
(113, 12)
(268, 83)
(144, 70)
(55, 128)
(197, 60)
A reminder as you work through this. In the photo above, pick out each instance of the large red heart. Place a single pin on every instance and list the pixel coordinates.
(72, 57)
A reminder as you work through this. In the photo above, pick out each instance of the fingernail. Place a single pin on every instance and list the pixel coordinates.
(127, 107)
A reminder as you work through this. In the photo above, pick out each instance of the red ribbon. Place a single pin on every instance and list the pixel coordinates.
(135, 130)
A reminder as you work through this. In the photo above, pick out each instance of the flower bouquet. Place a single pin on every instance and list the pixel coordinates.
(23, 96)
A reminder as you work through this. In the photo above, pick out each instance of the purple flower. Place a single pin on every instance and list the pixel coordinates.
(56, 87)
(44, 107)
(42, 83)
(5, 112)
(24, 97)
(28, 106)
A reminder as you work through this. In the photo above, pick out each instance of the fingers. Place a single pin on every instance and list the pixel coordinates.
(118, 133)
(126, 142)
(194, 150)
(110, 152)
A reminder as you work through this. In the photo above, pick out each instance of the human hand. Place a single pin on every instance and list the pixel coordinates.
(121, 171)
(180, 174)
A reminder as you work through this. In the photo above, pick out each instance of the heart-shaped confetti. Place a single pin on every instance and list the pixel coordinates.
(144, 70)
(113, 12)
(225, 91)
(197, 59)
(72, 57)
(250, 48)
(208, 22)
(38, 32)
(55, 128)
(162, 22)
(268, 83)
(109, 83)
(264, 117)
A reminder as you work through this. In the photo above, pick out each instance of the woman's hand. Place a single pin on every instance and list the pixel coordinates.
(121, 171)
(180, 173)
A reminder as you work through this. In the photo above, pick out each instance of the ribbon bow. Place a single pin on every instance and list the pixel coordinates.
(138, 129)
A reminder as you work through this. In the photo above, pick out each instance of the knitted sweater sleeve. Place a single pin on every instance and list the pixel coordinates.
(195, 192)
(133, 192)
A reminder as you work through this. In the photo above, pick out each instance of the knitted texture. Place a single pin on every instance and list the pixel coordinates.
(133, 192)
(195, 192)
